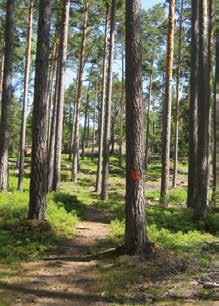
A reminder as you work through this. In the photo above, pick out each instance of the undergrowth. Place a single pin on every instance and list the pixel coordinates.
(22, 239)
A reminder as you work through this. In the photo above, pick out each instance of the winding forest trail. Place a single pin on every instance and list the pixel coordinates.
(67, 277)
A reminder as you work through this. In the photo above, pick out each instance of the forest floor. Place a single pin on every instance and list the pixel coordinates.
(79, 272)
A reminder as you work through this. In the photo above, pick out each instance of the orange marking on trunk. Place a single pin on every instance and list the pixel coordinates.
(135, 175)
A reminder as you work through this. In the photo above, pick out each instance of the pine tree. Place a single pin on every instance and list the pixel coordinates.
(107, 121)
(6, 95)
(164, 195)
(60, 101)
(136, 241)
(38, 180)
(25, 99)
(193, 107)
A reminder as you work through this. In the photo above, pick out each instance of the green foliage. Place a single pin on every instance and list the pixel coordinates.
(62, 222)
(22, 239)
(192, 241)
(65, 176)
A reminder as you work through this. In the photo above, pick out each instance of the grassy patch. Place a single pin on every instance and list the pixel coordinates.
(21, 239)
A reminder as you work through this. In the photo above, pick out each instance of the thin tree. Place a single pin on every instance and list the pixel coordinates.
(51, 85)
(148, 117)
(193, 107)
(38, 180)
(51, 151)
(211, 14)
(86, 119)
(136, 240)
(107, 121)
(73, 118)
(122, 107)
(94, 124)
(102, 106)
(75, 159)
(1, 69)
(6, 95)
(60, 105)
(178, 72)
(25, 98)
(201, 197)
(164, 195)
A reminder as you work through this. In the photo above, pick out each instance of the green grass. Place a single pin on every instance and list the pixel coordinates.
(21, 239)
(172, 229)
(176, 195)
(71, 203)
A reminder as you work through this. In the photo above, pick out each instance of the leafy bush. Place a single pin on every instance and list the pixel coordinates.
(62, 222)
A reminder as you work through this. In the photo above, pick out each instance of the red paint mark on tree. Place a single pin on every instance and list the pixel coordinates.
(135, 175)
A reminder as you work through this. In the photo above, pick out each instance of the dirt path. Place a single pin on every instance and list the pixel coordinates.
(68, 277)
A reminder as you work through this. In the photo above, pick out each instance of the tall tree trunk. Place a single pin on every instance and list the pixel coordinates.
(75, 160)
(25, 99)
(178, 72)
(135, 224)
(103, 106)
(193, 107)
(86, 120)
(60, 104)
(6, 95)
(211, 14)
(51, 89)
(88, 129)
(94, 126)
(214, 159)
(73, 120)
(121, 111)
(107, 123)
(51, 151)
(112, 151)
(164, 195)
(201, 199)
(38, 180)
(2, 60)
(148, 118)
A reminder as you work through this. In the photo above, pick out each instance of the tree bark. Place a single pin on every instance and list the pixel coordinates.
(75, 160)
(94, 127)
(178, 72)
(201, 198)
(122, 108)
(107, 123)
(211, 14)
(6, 95)
(73, 120)
(38, 181)
(25, 99)
(51, 89)
(61, 91)
(193, 107)
(2, 59)
(164, 195)
(148, 118)
(51, 151)
(135, 223)
(86, 119)
(112, 151)
(103, 106)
